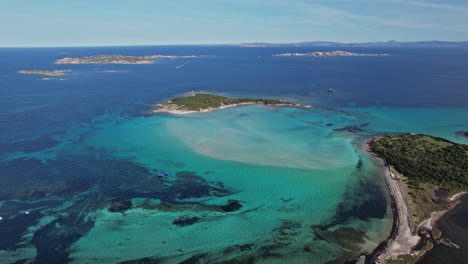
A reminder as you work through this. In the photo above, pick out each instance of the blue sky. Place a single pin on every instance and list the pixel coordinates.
(26, 23)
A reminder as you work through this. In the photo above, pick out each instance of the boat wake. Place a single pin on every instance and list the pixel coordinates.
(180, 66)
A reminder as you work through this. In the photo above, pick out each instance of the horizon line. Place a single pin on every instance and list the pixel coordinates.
(232, 44)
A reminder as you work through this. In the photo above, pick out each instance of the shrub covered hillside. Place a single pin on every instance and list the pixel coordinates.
(425, 159)
(203, 101)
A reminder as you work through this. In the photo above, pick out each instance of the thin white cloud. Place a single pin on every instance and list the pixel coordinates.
(336, 16)
(323, 11)
(333, 16)
(431, 5)
(406, 24)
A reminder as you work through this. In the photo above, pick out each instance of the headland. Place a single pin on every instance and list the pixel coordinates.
(202, 103)
(118, 59)
(426, 176)
(328, 54)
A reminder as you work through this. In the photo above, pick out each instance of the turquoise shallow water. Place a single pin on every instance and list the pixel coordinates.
(283, 164)
(250, 184)
(282, 171)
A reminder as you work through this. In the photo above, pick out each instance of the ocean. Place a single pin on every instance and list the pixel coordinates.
(249, 184)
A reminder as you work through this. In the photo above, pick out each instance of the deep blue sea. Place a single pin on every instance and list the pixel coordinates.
(250, 184)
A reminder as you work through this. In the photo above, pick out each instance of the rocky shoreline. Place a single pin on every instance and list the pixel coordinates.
(328, 54)
(117, 59)
(372, 257)
(49, 73)
(175, 109)
(401, 240)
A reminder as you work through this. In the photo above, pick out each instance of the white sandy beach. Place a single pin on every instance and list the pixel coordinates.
(171, 109)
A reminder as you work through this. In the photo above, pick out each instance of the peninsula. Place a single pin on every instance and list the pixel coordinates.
(328, 54)
(202, 103)
(50, 73)
(117, 59)
(426, 175)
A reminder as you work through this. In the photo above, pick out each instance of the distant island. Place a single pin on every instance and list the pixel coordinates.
(202, 103)
(50, 73)
(391, 43)
(426, 175)
(329, 54)
(117, 59)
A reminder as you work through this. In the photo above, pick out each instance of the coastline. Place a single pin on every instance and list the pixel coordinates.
(401, 241)
(172, 109)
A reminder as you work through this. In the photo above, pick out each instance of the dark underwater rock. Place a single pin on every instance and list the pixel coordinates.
(12, 230)
(364, 125)
(461, 133)
(232, 206)
(359, 164)
(53, 240)
(286, 233)
(185, 221)
(120, 205)
(237, 248)
(373, 205)
(352, 129)
(16, 175)
(148, 260)
(27, 146)
(55, 189)
(74, 186)
(31, 195)
(192, 189)
(195, 259)
(189, 186)
(347, 238)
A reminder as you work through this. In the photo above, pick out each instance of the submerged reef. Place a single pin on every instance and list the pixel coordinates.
(461, 133)
(101, 187)
(232, 206)
(96, 183)
(352, 129)
(120, 205)
(186, 220)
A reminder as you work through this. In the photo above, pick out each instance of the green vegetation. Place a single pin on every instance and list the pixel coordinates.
(425, 159)
(204, 101)
(113, 58)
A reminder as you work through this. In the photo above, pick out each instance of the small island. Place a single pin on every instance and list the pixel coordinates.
(426, 175)
(117, 59)
(49, 73)
(328, 54)
(202, 103)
